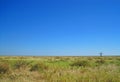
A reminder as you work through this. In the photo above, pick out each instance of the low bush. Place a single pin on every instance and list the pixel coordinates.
(101, 61)
(38, 67)
(20, 64)
(82, 63)
(4, 68)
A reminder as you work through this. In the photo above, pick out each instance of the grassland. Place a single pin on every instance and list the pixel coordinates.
(59, 69)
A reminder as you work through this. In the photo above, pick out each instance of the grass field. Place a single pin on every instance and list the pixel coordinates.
(59, 69)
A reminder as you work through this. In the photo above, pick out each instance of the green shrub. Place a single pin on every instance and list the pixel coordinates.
(20, 64)
(100, 61)
(4, 68)
(38, 67)
(82, 63)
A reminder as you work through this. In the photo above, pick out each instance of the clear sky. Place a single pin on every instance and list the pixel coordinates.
(59, 27)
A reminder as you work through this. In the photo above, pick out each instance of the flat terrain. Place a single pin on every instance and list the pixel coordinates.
(59, 69)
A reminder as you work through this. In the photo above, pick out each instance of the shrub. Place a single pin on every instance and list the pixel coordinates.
(82, 63)
(38, 67)
(101, 61)
(4, 68)
(20, 64)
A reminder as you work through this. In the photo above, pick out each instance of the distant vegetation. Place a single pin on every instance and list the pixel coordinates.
(59, 69)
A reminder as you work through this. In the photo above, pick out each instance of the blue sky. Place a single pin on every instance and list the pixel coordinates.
(59, 27)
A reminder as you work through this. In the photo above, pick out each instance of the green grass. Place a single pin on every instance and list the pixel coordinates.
(59, 69)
